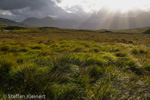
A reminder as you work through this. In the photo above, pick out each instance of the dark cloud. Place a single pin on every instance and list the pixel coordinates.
(19, 4)
(21, 9)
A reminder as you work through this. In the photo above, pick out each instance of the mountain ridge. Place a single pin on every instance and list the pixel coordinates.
(92, 23)
(8, 22)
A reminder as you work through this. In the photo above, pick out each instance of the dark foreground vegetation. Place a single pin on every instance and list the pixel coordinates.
(75, 64)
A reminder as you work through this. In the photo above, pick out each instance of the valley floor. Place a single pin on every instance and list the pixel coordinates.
(75, 64)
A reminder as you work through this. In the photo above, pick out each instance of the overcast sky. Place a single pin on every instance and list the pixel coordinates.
(20, 9)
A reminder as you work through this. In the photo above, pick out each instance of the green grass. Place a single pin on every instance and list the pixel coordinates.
(67, 68)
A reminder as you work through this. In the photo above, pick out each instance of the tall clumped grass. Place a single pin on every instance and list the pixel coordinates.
(75, 70)
(6, 64)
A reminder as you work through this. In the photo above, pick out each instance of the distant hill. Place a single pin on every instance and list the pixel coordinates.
(47, 21)
(147, 31)
(7, 22)
(111, 22)
(61, 23)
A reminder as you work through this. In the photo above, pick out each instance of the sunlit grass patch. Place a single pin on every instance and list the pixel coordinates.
(77, 70)
(139, 51)
(121, 54)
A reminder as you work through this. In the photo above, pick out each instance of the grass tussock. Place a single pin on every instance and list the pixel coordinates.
(73, 69)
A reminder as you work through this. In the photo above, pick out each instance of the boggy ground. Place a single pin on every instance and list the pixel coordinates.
(75, 64)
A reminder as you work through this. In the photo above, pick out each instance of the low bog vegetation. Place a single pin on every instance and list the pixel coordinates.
(75, 69)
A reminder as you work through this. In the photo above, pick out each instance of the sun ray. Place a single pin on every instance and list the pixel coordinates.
(96, 5)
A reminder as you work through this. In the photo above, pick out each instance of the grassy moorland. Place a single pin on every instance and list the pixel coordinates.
(75, 64)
